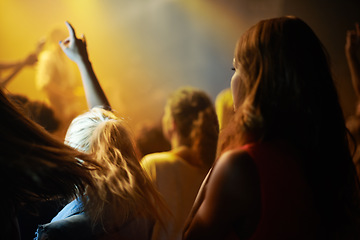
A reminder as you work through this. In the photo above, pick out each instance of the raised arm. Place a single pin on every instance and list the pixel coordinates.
(75, 49)
(16, 68)
(352, 47)
(7, 65)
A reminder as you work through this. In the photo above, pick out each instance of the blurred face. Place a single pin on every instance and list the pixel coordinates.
(237, 89)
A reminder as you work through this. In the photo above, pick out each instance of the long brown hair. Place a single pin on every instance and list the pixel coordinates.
(289, 94)
(34, 165)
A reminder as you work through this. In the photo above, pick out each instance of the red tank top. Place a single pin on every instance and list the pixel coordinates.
(287, 205)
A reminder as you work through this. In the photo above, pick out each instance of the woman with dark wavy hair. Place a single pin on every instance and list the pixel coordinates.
(286, 171)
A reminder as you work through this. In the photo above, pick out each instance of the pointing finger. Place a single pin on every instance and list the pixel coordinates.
(71, 30)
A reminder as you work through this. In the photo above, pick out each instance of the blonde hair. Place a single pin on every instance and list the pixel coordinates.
(224, 106)
(123, 190)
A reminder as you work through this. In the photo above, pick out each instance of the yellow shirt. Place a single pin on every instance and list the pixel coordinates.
(178, 182)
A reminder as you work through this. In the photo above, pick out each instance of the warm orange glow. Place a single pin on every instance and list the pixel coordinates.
(140, 50)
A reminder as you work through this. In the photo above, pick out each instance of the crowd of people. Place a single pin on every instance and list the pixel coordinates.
(273, 158)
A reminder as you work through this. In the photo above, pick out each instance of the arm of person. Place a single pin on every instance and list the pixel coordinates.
(7, 65)
(16, 68)
(76, 50)
(352, 47)
(231, 202)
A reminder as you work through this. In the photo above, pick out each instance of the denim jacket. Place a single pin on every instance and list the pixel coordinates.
(72, 223)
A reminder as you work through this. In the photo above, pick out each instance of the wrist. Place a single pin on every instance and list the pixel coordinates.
(83, 61)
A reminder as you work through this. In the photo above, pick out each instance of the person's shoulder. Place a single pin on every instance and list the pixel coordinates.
(73, 208)
(235, 166)
(159, 157)
(74, 227)
(234, 178)
(155, 163)
(236, 158)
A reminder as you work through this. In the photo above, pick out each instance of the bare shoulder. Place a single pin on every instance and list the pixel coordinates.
(236, 161)
(235, 172)
(233, 193)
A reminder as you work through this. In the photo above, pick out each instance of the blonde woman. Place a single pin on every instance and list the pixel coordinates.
(124, 204)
